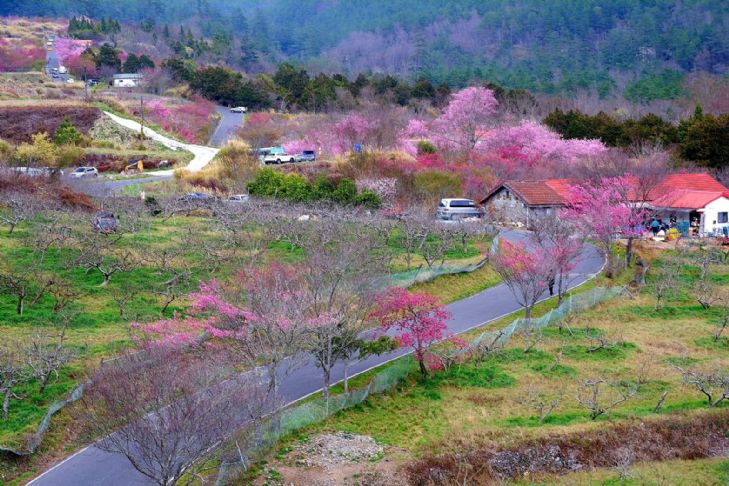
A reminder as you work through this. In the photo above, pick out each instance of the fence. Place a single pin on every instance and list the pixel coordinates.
(298, 417)
(420, 274)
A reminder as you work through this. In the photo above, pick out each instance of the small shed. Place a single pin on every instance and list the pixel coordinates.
(522, 202)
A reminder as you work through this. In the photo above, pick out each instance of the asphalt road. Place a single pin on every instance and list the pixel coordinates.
(53, 62)
(92, 466)
(228, 125)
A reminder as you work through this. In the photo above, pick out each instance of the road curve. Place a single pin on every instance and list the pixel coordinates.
(202, 154)
(227, 126)
(92, 466)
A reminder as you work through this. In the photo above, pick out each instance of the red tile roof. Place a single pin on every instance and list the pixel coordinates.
(550, 192)
(687, 199)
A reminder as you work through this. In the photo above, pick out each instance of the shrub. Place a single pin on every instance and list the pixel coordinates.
(426, 147)
(432, 185)
(66, 134)
(41, 152)
(368, 199)
(345, 192)
(69, 155)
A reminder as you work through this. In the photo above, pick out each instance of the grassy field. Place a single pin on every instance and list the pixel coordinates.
(473, 405)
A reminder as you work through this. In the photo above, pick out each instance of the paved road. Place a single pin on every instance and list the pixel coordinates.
(53, 62)
(92, 466)
(228, 125)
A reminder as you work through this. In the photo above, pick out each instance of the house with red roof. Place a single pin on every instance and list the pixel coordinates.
(693, 202)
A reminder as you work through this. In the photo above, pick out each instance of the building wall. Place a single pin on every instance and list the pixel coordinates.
(715, 216)
(505, 207)
(125, 83)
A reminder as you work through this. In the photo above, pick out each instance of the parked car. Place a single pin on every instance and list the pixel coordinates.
(239, 198)
(455, 209)
(85, 172)
(239, 109)
(305, 156)
(105, 222)
(278, 158)
(197, 196)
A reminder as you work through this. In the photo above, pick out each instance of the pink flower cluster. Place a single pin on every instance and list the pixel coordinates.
(19, 54)
(188, 120)
(335, 138)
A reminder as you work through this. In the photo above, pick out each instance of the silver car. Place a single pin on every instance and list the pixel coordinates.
(454, 209)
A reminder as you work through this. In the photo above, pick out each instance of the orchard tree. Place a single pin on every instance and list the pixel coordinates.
(601, 211)
(562, 245)
(417, 320)
(469, 111)
(526, 270)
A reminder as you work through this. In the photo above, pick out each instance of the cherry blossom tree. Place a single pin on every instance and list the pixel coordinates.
(469, 112)
(417, 319)
(562, 245)
(600, 210)
(525, 269)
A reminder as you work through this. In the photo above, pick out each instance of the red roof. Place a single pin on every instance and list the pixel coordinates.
(702, 182)
(680, 191)
(687, 199)
(549, 192)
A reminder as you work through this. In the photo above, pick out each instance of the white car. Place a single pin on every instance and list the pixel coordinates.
(239, 109)
(85, 172)
(278, 159)
(239, 198)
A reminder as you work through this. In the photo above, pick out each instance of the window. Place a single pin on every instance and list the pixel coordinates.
(462, 203)
(723, 217)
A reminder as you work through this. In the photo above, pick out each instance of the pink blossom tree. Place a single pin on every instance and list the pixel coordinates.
(525, 269)
(562, 245)
(600, 210)
(469, 113)
(417, 319)
(257, 316)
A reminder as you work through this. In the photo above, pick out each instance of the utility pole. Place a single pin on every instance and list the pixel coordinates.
(86, 86)
(141, 114)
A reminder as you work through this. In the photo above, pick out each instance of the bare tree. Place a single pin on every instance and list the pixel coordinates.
(12, 374)
(165, 412)
(541, 402)
(666, 282)
(27, 285)
(15, 209)
(591, 395)
(713, 384)
(46, 354)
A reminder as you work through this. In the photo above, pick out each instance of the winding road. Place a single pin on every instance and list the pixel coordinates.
(92, 466)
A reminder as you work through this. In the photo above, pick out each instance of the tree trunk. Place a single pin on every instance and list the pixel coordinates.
(423, 370)
(325, 373)
(6, 403)
(629, 252)
(21, 302)
(346, 376)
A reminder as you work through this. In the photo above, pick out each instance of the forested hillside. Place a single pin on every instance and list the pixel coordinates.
(641, 49)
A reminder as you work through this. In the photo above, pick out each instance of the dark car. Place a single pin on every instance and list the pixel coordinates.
(305, 156)
(105, 222)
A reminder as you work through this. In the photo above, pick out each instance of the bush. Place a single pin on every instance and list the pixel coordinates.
(66, 134)
(426, 147)
(42, 152)
(368, 199)
(69, 155)
(296, 188)
(432, 185)
(345, 192)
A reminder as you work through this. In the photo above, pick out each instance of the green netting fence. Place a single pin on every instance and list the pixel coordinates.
(255, 442)
(424, 274)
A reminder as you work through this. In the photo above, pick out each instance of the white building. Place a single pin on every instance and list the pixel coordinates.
(706, 212)
(127, 80)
